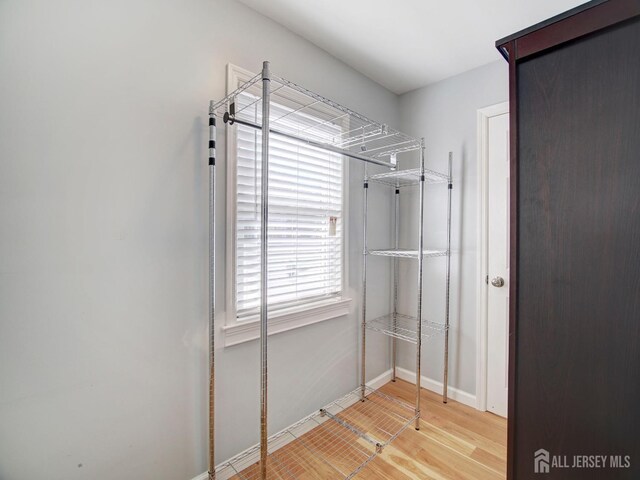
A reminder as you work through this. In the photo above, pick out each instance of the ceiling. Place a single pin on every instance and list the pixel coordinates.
(406, 44)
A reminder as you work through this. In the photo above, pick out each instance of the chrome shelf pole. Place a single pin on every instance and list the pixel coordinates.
(363, 350)
(394, 346)
(420, 264)
(445, 381)
(264, 272)
(212, 288)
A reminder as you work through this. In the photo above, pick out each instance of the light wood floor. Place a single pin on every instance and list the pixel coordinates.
(454, 442)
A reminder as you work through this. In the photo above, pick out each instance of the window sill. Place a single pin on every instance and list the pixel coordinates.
(286, 320)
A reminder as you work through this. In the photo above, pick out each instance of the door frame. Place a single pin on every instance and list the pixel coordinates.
(482, 290)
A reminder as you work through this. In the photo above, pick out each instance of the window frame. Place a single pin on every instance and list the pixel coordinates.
(284, 319)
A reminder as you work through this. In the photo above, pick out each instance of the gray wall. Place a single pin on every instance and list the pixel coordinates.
(445, 114)
(103, 239)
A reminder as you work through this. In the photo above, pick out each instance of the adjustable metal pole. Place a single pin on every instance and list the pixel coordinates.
(264, 273)
(420, 262)
(394, 341)
(363, 357)
(445, 381)
(212, 289)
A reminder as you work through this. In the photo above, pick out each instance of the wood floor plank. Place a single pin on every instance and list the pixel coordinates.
(436, 460)
(490, 460)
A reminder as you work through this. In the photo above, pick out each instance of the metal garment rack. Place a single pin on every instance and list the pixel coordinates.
(339, 440)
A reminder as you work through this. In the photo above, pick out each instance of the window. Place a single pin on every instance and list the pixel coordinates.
(305, 219)
(306, 223)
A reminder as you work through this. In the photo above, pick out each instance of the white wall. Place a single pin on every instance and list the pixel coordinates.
(445, 114)
(103, 239)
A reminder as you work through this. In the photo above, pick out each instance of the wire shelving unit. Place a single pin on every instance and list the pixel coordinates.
(396, 325)
(340, 439)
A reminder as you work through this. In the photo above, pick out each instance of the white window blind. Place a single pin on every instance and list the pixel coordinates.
(305, 251)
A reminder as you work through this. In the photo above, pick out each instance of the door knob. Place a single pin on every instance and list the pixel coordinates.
(497, 282)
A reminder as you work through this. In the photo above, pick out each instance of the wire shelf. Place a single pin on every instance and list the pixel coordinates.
(380, 418)
(407, 178)
(298, 111)
(336, 442)
(405, 327)
(405, 253)
(315, 448)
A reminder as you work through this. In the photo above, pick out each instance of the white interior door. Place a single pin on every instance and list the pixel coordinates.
(498, 264)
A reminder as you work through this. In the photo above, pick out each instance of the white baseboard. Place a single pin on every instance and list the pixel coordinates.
(435, 386)
(380, 380)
